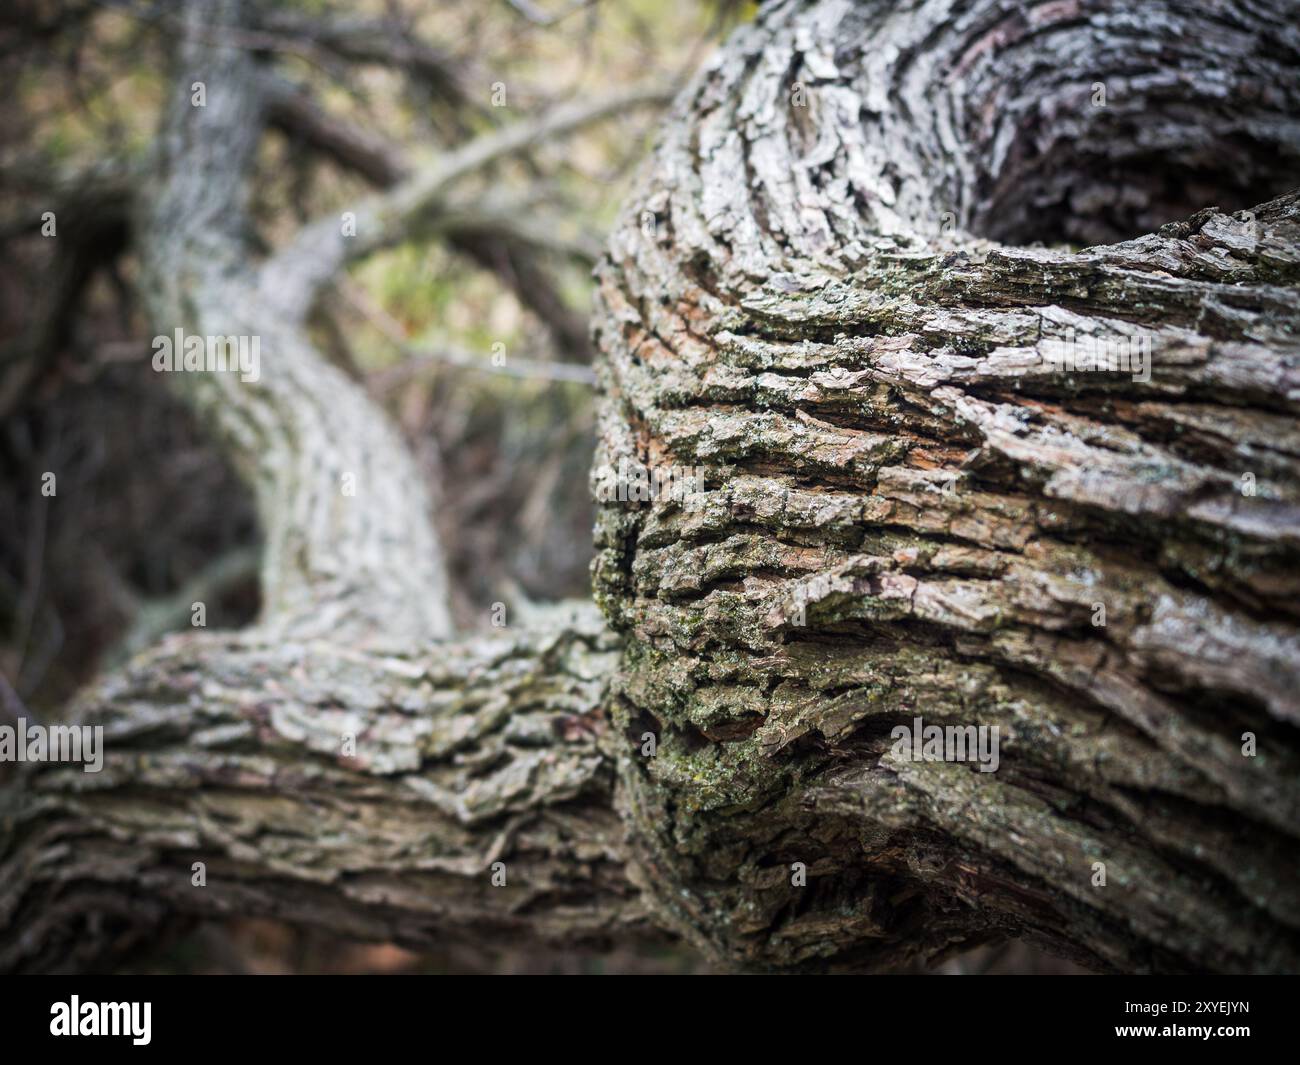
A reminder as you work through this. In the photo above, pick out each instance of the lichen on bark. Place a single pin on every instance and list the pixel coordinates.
(910, 512)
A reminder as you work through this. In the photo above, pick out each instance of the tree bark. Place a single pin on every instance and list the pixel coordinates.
(821, 294)
(345, 514)
(365, 794)
(909, 513)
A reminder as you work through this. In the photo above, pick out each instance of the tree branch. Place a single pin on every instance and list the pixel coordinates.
(293, 275)
(504, 243)
(350, 545)
(385, 42)
(911, 511)
(367, 795)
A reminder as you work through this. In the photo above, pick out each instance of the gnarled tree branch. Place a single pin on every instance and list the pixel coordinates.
(364, 794)
(908, 511)
(911, 512)
(350, 545)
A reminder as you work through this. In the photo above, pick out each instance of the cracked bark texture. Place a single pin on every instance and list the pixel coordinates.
(822, 294)
(231, 752)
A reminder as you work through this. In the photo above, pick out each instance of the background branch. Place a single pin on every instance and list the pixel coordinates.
(292, 276)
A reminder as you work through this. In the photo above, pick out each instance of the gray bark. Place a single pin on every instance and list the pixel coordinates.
(334, 563)
(804, 298)
(366, 794)
(820, 293)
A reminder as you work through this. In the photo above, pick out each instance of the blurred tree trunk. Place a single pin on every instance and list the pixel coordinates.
(821, 296)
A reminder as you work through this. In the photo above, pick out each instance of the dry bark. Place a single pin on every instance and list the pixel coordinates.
(366, 794)
(820, 293)
(805, 298)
